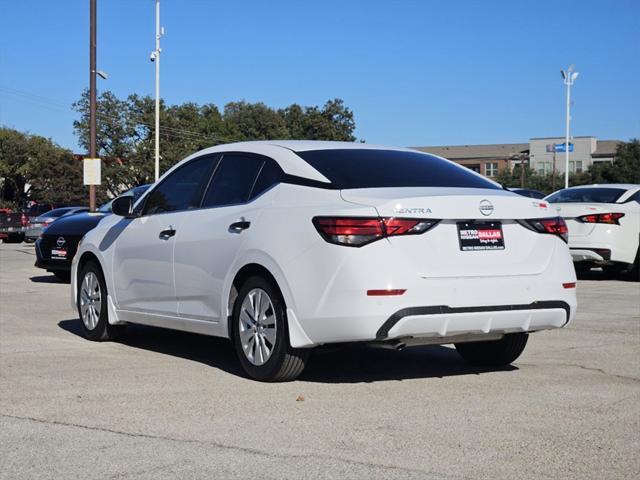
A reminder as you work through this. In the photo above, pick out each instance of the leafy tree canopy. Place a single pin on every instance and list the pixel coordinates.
(125, 133)
(51, 173)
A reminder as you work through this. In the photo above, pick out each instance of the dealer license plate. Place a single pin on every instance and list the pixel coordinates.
(58, 253)
(480, 236)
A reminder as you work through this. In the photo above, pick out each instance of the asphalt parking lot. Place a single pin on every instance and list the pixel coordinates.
(169, 404)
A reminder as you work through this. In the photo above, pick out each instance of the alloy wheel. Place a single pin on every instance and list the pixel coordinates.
(90, 300)
(257, 326)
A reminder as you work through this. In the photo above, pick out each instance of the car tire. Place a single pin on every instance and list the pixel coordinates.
(29, 240)
(14, 239)
(494, 352)
(92, 305)
(63, 276)
(582, 267)
(260, 335)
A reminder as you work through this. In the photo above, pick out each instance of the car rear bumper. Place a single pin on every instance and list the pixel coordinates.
(442, 321)
(592, 255)
(605, 244)
(339, 308)
(33, 232)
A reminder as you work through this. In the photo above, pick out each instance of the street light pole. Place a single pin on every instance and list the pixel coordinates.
(92, 96)
(569, 77)
(155, 56)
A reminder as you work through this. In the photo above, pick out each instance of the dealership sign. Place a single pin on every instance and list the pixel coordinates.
(559, 147)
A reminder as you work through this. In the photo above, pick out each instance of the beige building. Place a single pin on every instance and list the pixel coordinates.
(539, 153)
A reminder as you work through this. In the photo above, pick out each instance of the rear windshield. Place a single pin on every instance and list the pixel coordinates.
(587, 195)
(58, 212)
(366, 168)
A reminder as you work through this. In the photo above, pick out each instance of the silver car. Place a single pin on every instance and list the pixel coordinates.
(37, 225)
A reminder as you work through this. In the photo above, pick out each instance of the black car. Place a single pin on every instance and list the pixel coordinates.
(58, 244)
(527, 192)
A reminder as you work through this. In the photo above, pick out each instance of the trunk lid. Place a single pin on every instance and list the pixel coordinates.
(438, 252)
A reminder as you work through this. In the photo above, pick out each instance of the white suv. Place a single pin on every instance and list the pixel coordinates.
(282, 246)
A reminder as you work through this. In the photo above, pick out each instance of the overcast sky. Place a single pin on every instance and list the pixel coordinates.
(414, 72)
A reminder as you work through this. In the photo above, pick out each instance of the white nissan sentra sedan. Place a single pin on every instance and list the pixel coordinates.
(604, 225)
(282, 246)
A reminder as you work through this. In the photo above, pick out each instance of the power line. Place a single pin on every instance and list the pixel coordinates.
(54, 105)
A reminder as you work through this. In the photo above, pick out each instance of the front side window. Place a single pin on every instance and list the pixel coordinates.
(183, 189)
(370, 168)
(233, 180)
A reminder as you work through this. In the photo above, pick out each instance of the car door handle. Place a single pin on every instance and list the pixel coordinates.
(239, 226)
(167, 234)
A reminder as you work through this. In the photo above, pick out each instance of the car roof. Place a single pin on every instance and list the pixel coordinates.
(624, 186)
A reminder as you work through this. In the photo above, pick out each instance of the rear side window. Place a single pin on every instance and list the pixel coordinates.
(182, 189)
(634, 198)
(365, 168)
(586, 195)
(58, 212)
(271, 174)
(233, 180)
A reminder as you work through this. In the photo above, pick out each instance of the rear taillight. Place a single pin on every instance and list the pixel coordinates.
(610, 218)
(555, 226)
(359, 231)
(24, 220)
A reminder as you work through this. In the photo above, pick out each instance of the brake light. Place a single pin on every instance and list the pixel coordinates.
(24, 220)
(394, 292)
(359, 231)
(610, 218)
(555, 226)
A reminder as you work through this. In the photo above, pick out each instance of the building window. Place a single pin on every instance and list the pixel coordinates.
(544, 168)
(575, 166)
(491, 169)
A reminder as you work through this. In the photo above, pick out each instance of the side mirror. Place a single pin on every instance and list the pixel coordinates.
(122, 206)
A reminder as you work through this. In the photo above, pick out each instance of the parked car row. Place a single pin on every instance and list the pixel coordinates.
(57, 245)
(28, 224)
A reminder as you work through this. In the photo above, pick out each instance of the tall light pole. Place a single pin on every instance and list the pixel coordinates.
(92, 95)
(569, 77)
(155, 57)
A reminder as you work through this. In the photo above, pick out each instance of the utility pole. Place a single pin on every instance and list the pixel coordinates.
(92, 96)
(569, 77)
(553, 176)
(155, 57)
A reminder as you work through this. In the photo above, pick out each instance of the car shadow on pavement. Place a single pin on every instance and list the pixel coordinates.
(46, 279)
(212, 351)
(356, 363)
(343, 363)
(601, 275)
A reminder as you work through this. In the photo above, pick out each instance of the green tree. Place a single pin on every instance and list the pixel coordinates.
(625, 167)
(13, 158)
(126, 142)
(51, 173)
(253, 121)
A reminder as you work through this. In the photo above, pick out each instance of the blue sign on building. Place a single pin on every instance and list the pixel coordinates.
(560, 147)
